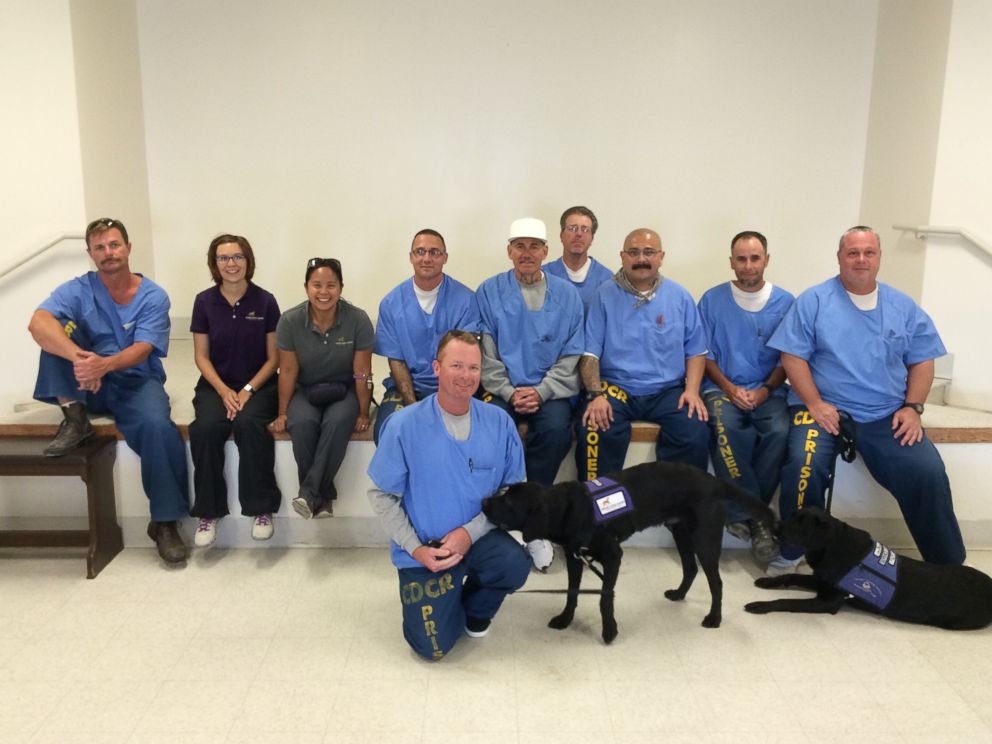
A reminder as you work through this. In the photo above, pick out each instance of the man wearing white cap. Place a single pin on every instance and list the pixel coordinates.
(531, 343)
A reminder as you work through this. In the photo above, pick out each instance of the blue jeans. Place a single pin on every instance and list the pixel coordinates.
(141, 411)
(392, 401)
(914, 475)
(435, 605)
(682, 439)
(748, 447)
(549, 436)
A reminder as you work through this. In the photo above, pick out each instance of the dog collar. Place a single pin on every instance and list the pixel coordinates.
(873, 579)
(609, 499)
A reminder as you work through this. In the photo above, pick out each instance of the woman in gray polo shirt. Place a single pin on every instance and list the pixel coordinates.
(325, 374)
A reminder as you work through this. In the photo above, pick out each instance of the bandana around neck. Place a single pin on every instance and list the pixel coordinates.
(642, 297)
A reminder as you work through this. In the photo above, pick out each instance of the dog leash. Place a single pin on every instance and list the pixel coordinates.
(845, 449)
(589, 563)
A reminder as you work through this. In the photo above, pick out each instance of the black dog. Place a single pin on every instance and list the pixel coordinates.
(849, 567)
(687, 500)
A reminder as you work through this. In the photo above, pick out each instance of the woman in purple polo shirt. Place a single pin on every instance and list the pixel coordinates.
(234, 344)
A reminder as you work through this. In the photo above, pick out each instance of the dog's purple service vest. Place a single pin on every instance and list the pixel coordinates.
(873, 580)
(609, 499)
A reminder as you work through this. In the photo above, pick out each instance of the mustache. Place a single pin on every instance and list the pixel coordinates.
(641, 265)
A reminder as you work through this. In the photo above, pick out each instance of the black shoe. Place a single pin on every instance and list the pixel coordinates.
(73, 431)
(169, 542)
(477, 627)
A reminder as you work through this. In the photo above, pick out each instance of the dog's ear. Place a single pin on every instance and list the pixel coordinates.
(536, 526)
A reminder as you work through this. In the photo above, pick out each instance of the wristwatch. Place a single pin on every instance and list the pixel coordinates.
(918, 407)
(591, 395)
(249, 389)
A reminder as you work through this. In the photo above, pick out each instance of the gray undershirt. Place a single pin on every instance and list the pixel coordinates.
(560, 381)
(389, 506)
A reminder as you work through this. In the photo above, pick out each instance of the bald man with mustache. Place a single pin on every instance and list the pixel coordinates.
(644, 358)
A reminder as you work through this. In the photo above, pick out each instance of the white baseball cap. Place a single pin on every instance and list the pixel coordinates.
(528, 227)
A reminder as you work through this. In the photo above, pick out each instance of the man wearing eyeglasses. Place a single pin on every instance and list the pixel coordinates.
(531, 342)
(412, 319)
(578, 228)
(103, 336)
(743, 389)
(644, 359)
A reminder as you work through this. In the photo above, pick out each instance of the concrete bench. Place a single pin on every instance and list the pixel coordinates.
(94, 463)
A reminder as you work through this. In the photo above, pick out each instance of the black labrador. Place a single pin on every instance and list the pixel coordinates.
(686, 499)
(849, 567)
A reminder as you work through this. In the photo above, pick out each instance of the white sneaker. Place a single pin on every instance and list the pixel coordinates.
(780, 566)
(542, 553)
(206, 532)
(262, 527)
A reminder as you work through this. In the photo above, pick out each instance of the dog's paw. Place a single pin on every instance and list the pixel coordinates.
(610, 632)
(757, 608)
(768, 582)
(675, 595)
(560, 622)
(712, 621)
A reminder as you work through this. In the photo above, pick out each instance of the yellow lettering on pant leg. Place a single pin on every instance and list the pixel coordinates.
(809, 447)
(803, 417)
(592, 453)
(411, 593)
(622, 396)
(430, 589)
(430, 628)
(447, 583)
(724, 449)
(426, 611)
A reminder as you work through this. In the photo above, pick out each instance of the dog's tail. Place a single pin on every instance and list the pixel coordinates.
(758, 510)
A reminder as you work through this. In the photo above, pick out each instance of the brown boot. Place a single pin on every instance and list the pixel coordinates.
(73, 431)
(169, 542)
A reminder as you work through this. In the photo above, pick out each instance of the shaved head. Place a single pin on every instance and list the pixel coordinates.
(642, 235)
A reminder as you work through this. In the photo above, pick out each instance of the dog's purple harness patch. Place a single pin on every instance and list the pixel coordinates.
(873, 580)
(609, 499)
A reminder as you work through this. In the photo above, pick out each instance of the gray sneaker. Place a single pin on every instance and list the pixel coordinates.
(741, 530)
(763, 545)
(73, 431)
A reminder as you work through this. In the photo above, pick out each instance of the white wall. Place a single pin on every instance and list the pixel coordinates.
(956, 282)
(336, 129)
(42, 175)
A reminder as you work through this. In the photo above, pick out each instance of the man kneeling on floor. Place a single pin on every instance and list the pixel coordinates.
(102, 337)
(435, 462)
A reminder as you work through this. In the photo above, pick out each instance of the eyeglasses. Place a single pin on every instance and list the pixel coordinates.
(646, 252)
(237, 258)
(433, 252)
(317, 263)
(578, 229)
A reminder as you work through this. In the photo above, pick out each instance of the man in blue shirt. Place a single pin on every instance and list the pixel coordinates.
(412, 319)
(854, 347)
(102, 337)
(435, 463)
(644, 359)
(748, 415)
(578, 229)
(531, 342)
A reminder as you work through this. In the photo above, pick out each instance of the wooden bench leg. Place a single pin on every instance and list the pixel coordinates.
(106, 536)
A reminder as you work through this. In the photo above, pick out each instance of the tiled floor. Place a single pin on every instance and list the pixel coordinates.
(304, 646)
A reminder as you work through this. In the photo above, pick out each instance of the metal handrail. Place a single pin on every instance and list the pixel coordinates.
(922, 231)
(34, 254)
